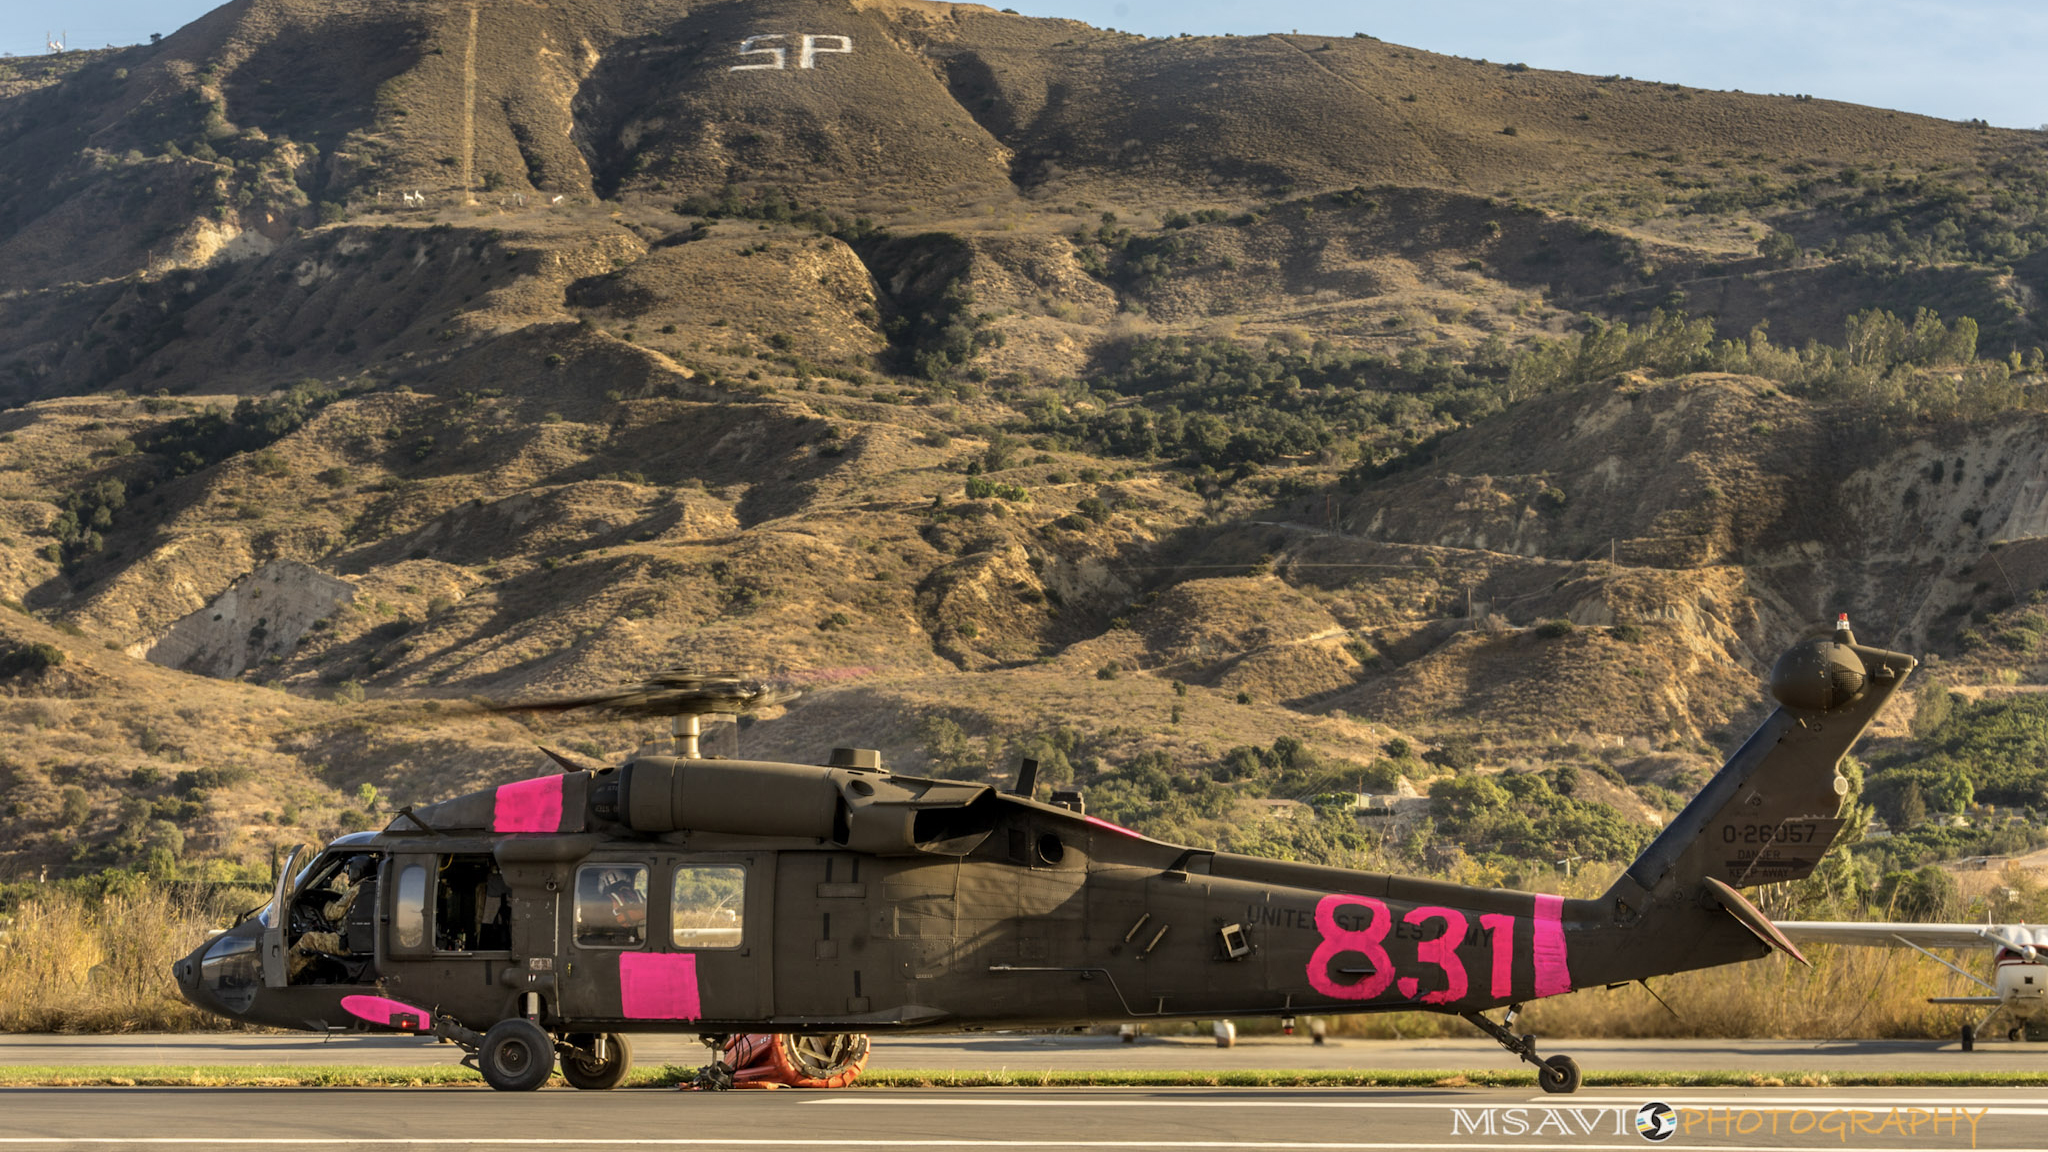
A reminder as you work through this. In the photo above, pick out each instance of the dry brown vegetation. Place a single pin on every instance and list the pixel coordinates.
(1848, 993)
(75, 962)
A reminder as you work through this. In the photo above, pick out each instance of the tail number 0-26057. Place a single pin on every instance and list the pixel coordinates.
(1437, 932)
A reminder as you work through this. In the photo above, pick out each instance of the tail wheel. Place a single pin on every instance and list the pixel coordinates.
(516, 1056)
(829, 1061)
(583, 1069)
(1558, 1074)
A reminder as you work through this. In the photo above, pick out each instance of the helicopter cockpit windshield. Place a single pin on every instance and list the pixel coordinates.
(232, 971)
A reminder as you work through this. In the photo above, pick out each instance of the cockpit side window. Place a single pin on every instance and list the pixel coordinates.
(709, 906)
(611, 905)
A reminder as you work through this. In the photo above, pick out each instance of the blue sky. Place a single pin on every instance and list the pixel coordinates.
(1957, 59)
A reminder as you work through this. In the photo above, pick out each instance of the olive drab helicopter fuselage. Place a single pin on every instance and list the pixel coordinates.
(561, 914)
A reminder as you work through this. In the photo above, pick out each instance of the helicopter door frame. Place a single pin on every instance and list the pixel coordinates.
(276, 922)
(588, 955)
(734, 983)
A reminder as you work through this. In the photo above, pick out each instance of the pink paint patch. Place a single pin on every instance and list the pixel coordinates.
(389, 1013)
(1500, 929)
(654, 986)
(529, 806)
(1553, 973)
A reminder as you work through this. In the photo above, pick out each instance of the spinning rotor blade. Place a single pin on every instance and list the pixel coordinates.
(675, 692)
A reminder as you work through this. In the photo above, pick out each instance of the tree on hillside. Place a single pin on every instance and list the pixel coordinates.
(1927, 893)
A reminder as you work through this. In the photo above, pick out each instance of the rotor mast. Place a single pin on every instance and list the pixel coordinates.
(687, 728)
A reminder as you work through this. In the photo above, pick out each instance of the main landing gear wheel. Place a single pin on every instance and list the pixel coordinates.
(516, 1056)
(595, 1061)
(1969, 1038)
(2013, 1035)
(1558, 1074)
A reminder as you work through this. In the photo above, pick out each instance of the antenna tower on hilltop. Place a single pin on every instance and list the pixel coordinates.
(56, 46)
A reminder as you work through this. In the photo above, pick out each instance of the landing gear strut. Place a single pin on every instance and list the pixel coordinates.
(1556, 1074)
(715, 1076)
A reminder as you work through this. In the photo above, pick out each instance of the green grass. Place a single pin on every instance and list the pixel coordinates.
(233, 1076)
(668, 1076)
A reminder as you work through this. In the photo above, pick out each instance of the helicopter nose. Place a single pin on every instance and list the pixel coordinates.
(186, 973)
(190, 978)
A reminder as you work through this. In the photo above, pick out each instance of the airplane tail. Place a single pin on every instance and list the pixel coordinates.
(1772, 810)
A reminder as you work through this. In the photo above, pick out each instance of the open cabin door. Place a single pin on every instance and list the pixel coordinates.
(277, 922)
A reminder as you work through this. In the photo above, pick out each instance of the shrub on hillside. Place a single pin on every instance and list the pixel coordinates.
(30, 659)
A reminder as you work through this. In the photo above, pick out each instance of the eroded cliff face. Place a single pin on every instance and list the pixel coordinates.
(1813, 509)
(262, 615)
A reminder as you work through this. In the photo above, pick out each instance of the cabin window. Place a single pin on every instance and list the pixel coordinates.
(611, 905)
(409, 913)
(472, 906)
(709, 907)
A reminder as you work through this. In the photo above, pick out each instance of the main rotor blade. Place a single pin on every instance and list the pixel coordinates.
(676, 692)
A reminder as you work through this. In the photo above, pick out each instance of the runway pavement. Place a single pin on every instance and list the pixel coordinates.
(1037, 1052)
(1254, 1120)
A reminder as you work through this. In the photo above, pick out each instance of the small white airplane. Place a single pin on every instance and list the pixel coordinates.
(2019, 985)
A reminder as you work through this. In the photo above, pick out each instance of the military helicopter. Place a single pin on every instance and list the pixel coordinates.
(813, 904)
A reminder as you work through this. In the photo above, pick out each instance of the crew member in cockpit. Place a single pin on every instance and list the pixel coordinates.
(341, 892)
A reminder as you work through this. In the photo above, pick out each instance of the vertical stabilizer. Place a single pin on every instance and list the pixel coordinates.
(1772, 810)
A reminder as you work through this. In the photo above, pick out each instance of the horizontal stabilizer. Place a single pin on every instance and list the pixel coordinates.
(1753, 919)
(1979, 1001)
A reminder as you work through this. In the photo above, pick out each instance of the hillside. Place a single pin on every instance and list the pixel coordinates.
(1218, 420)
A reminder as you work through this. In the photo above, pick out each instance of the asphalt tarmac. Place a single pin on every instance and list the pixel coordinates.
(1038, 1052)
(1108, 1118)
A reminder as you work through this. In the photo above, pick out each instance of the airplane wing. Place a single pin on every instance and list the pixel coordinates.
(1878, 933)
